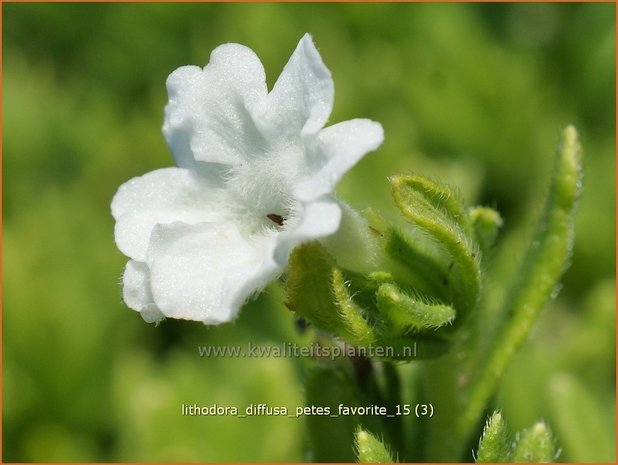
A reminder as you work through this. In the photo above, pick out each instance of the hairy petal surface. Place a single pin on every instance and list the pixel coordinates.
(337, 149)
(302, 98)
(159, 197)
(195, 270)
(210, 112)
(136, 292)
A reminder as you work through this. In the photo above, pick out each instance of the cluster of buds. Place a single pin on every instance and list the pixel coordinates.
(426, 280)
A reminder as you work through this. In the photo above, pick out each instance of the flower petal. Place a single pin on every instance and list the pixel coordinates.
(136, 291)
(206, 272)
(320, 218)
(336, 150)
(136, 285)
(162, 196)
(302, 97)
(209, 116)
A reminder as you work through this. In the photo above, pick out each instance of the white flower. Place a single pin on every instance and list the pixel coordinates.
(255, 175)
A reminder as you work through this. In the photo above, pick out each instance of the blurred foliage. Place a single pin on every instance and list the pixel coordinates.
(474, 95)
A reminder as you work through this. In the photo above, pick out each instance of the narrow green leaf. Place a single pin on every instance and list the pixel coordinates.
(369, 449)
(494, 446)
(405, 312)
(535, 445)
(537, 281)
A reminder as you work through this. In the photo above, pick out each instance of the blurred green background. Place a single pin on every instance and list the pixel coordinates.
(472, 94)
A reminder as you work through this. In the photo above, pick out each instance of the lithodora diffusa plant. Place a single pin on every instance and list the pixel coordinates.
(251, 200)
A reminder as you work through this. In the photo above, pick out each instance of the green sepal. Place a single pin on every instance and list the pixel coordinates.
(495, 444)
(369, 449)
(318, 291)
(416, 313)
(308, 284)
(535, 445)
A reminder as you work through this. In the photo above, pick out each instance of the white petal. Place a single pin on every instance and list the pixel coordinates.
(136, 285)
(337, 149)
(136, 291)
(151, 314)
(209, 113)
(302, 97)
(206, 272)
(159, 197)
(319, 219)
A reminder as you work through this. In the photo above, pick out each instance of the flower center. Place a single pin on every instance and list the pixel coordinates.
(262, 191)
(277, 219)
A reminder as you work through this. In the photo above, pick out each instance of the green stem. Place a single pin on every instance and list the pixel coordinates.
(546, 260)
